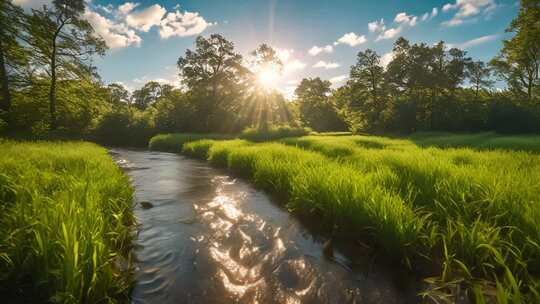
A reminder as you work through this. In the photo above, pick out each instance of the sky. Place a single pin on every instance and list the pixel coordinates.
(314, 38)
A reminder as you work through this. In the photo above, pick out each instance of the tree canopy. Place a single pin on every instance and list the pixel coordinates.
(48, 82)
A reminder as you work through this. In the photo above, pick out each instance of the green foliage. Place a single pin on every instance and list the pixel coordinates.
(273, 133)
(65, 212)
(315, 106)
(174, 142)
(518, 62)
(126, 126)
(13, 57)
(149, 93)
(64, 44)
(219, 86)
(3, 125)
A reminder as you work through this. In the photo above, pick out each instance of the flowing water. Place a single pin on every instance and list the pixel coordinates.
(211, 238)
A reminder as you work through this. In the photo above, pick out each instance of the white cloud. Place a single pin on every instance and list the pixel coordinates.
(293, 82)
(293, 66)
(326, 65)
(404, 21)
(376, 26)
(447, 7)
(474, 42)
(127, 7)
(351, 39)
(35, 4)
(429, 16)
(403, 18)
(121, 27)
(284, 54)
(452, 22)
(182, 24)
(338, 79)
(143, 20)
(467, 9)
(316, 50)
(386, 58)
(390, 33)
(116, 35)
(106, 8)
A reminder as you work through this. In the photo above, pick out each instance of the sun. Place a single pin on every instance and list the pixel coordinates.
(268, 76)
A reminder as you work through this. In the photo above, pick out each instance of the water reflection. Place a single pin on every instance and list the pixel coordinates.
(211, 238)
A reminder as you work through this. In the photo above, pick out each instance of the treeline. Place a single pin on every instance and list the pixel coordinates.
(49, 86)
(438, 88)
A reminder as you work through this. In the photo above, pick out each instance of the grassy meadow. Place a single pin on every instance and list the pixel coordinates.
(461, 211)
(65, 213)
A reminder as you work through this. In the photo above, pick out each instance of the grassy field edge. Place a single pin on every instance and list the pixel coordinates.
(67, 219)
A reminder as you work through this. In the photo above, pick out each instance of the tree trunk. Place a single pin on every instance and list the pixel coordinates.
(52, 91)
(529, 89)
(5, 105)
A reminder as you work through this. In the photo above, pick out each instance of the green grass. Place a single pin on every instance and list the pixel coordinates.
(479, 141)
(65, 213)
(483, 206)
(173, 142)
(273, 133)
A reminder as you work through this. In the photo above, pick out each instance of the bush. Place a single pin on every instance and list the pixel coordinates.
(125, 126)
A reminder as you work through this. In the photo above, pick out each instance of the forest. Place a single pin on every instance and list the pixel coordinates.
(49, 86)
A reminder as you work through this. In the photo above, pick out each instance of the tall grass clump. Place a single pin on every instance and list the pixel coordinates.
(273, 133)
(173, 142)
(65, 213)
(480, 141)
(483, 206)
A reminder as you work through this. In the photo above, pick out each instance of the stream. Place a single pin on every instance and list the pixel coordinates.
(204, 236)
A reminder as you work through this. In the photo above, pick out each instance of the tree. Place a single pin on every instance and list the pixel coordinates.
(367, 89)
(456, 68)
(479, 75)
(426, 74)
(12, 54)
(316, 110)
(148, 94)
(518, 62)
(175, 112)
(117, 94)
(214, 73)
(65, 43)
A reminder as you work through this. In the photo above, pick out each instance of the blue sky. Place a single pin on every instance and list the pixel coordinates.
(315, 38)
